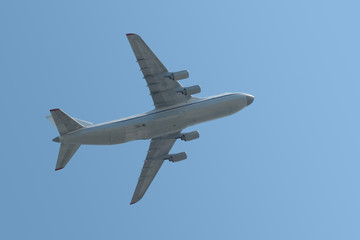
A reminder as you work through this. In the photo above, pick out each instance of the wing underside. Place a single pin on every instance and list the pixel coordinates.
(163, 90)
(158, 150)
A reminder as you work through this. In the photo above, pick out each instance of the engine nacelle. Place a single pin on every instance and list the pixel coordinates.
(190, 90)
(189, 136)
(177, 75)
(177, 157)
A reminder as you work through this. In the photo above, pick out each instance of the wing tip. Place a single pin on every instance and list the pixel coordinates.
(131, 34)
(55, 109)
(132, 203)
(56, 169)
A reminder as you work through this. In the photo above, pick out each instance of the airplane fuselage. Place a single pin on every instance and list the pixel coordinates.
(160, 121)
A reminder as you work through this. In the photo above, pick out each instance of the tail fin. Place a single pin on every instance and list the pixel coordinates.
(63, 122)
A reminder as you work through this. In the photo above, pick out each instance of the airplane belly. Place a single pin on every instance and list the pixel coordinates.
(102, 135)
(123, 134)
(88, 136)
(177, 119)
(162, 123)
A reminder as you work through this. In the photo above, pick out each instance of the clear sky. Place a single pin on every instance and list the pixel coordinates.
(286, 167)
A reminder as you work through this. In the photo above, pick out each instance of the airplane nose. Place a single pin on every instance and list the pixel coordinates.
(249, 99)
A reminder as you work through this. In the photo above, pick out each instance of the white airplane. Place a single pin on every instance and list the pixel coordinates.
(175, 109)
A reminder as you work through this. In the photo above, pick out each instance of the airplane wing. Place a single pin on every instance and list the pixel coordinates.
(159, 147)
(164, 89)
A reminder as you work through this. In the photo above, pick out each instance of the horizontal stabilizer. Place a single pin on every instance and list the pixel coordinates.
(65, 154)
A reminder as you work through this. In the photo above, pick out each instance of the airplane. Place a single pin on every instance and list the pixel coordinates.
(175, 109)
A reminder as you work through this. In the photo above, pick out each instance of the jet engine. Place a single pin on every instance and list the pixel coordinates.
(177, 157)
(190, 90)
(177, 75)
(189, 136)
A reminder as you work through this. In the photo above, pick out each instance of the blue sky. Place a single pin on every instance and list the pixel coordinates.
(287, 167)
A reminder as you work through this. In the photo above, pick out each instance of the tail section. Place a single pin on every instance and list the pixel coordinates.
(64, 124)
(65, 154)
(82, 122)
